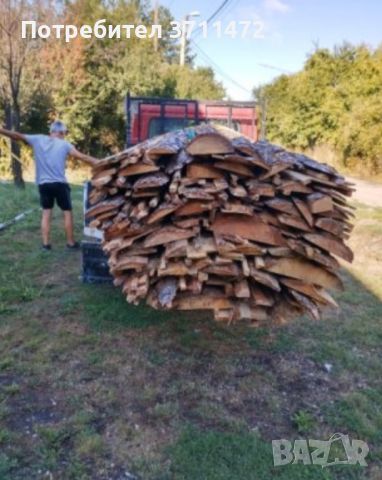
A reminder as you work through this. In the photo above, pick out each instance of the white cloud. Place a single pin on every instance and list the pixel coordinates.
(276, 6)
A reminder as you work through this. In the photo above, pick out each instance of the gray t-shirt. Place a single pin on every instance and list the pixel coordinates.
(50, 156)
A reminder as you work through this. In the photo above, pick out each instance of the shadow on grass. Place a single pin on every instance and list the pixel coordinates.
(106, 309)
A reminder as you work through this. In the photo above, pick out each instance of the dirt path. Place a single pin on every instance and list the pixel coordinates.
(369, 193)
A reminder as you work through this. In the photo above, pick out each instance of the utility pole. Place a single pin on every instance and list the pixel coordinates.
(183, 38)
(156, 20)
(182, 59)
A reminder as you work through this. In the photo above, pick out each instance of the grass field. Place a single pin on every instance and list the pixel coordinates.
(92, 388)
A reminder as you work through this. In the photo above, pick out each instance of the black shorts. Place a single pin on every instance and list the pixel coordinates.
(51, 192)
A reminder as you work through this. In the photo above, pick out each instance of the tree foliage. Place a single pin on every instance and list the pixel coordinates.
(335, 100)
(84, 82)
(17, 69)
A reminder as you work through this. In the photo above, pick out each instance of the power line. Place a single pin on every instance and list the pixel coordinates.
(211, 17)
(211, 62)
(272, 67)
(217, 11)
(227, 10)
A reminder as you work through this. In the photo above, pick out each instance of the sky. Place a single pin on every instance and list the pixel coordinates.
(284, 33)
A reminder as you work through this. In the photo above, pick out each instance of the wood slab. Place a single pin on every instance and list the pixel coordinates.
(209, 144)
(254, 229)
(304, 270)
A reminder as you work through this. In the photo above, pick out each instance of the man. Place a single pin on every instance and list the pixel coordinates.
(50, 156)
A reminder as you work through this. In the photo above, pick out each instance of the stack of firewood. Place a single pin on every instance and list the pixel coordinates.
(198, 219)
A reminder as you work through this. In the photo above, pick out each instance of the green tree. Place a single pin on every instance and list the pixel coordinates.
(92, 77)
(335, 100)
(18, 78)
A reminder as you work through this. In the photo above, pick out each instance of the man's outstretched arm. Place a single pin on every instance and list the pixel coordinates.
(16, 136)
(84, 158)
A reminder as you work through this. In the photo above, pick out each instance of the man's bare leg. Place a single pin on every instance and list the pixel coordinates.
(69, 230)
(45, 226)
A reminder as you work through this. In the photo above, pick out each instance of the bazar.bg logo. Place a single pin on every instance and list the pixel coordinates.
(339, 449)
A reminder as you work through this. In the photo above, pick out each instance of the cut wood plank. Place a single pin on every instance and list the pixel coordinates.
(228, 270)
(97, 196)
(201, 170)
(307, 289)
(304, 210)
(236, 168)
(106, 163)
(265, 279)
(307, 250)
(138, 169)
(287, 188)
(241, 289)
(259, 262)
(331, 244)
(252, 230)
(176, 269)
(327, 298)
(282, 205)
(186, 222)
(280, 251)
(149, 193)
(104, 207)
(317, 293)
(194, 208)
(250, 248)
(195, 193)
(104, 173)
(298, 177)
(166, 235)
(102, 181)
(239, 208)
(304, 270)
(330, 225)
(319, 203)
(233, 256)
(274, 170)
(243, 311)
(253, 160)
(259, 189)
(201, 247)
(202, 302)
(131, 263)
(151, 181)
(239, 191)
(295, 222)
(268, 217)
(307, 305)
(209, 144)
(176, 249)
(163, 211)
(137, 250)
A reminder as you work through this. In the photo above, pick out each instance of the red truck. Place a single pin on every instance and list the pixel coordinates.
(148, 117)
